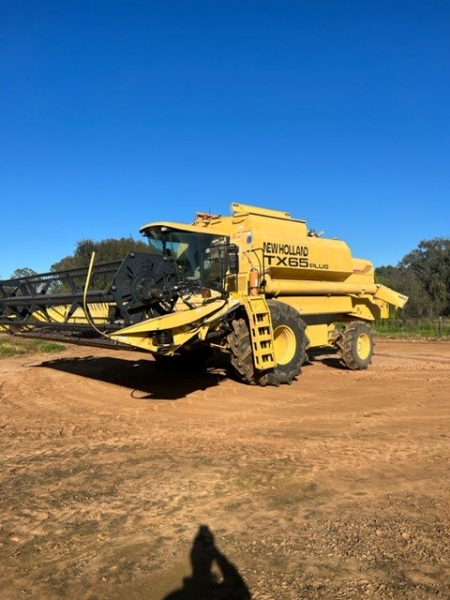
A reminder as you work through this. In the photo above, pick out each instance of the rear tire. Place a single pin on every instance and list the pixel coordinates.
(289, 346)
(356, 345)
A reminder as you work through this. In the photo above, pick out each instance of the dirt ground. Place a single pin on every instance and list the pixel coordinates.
(119, 481)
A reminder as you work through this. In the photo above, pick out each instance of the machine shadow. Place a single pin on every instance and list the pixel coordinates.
(213, 577)
(145, 378)
(328, 356)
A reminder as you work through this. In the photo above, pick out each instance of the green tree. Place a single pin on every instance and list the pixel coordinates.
(24, 272)
(105, 250)
(430, 263)
(424, 276)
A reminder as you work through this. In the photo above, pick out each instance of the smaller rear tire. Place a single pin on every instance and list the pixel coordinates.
(356, 345)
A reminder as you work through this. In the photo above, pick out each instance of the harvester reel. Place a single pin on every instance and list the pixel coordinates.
(145, 285)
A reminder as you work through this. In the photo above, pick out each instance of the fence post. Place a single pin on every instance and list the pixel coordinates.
(440, 327)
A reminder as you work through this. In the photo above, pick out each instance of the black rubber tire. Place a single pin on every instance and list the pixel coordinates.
(356, 345)
(285, 321)
(241, 359)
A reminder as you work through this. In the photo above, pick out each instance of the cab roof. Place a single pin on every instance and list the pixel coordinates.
(200, 228)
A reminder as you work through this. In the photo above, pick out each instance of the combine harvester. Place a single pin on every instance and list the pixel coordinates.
(257, 285)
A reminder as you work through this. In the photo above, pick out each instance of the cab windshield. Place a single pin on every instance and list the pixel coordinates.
(198, 256)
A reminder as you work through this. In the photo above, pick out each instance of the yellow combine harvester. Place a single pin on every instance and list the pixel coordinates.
(258, 285)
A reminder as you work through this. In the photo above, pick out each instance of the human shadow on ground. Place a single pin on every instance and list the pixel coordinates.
(145, 378)
(204, 583)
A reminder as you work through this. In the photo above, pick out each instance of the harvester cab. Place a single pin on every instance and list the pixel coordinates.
(163, 298)
(201, 260)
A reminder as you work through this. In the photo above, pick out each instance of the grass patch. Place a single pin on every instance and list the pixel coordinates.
(413, 329)
(15, 346)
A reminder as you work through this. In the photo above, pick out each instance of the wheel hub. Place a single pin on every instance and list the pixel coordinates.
(363, 346)
(285, 344)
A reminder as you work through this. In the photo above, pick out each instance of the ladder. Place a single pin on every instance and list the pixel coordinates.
(261, 332)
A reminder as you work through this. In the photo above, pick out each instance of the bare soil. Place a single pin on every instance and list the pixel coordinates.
(120, 481)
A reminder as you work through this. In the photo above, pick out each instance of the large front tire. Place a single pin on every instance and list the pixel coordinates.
(356, 345)
(289, 347)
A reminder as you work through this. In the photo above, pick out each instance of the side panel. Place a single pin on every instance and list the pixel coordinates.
(338, 308)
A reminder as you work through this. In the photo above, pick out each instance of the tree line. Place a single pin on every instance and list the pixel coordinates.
(424, 276)
(105, 250)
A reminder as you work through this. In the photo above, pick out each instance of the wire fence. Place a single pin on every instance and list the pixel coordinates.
(428, 328)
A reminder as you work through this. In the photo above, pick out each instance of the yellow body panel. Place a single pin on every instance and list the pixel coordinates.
(292, 260)
(62, 314)
(184, 325)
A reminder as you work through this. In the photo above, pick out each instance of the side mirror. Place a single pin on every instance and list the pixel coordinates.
(233, 258)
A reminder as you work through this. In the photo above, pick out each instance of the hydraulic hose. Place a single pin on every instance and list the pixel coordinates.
(85, 304)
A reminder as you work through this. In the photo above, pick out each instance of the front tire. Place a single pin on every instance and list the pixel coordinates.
(356, 345)
(289, 347)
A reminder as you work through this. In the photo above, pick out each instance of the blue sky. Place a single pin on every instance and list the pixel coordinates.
(117, 113)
